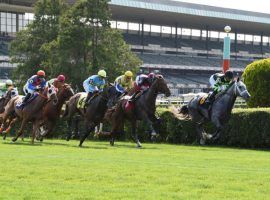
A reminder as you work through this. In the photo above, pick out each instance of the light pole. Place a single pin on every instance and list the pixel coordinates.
(226, 49)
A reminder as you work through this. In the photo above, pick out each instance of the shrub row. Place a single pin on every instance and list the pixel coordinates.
(246, 128)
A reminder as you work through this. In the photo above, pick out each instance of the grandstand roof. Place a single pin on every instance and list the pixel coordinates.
(170, 13)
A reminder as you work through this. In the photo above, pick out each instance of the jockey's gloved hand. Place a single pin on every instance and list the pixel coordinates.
(96, 92)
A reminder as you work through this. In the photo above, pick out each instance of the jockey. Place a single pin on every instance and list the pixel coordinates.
(9, 86)
(57, 82)
(35, 83)
(142, 83)
(221, 84)
(124, 82)
(94, 84)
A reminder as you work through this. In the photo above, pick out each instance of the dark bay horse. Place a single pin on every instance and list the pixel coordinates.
(220, 111)
(52, 111)
(144, 109)
(93, 114)
(31, 111)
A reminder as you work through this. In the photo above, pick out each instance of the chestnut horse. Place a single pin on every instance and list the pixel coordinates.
(30, 112)
(51, 111)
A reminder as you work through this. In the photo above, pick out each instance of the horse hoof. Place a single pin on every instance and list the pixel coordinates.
(4, 137)
(14, 139)
(111, 142)
(202, 141)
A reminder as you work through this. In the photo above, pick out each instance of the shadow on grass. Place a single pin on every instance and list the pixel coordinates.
(23, 143)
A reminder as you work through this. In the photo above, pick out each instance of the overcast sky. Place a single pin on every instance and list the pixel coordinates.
(262, 6)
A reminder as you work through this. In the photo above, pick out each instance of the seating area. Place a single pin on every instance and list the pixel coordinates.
(165, 59)
(196, 44)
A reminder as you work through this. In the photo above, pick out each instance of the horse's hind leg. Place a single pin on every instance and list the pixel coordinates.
(20, 132)
(88, 129)
(11, 123)
(200, 131)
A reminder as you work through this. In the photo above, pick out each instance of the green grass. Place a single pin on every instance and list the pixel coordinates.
(57, 169)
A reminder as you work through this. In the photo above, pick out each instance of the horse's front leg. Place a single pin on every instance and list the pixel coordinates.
(89, 127)
(134, 133)
(150, 125)
(219, 128)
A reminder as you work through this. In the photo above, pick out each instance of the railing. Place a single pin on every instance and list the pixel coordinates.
(239, 103)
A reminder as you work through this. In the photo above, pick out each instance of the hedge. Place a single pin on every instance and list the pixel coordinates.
(246, 128)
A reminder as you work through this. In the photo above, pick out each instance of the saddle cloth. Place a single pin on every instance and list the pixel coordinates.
(19, 104)
(81, 101)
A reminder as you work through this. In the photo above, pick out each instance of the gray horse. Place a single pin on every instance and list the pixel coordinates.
(219, 113)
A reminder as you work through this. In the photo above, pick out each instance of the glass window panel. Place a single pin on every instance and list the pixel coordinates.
(147, 27)
(3, 15)
(20, 23)
(122, 25)
(3, 21)
(257, 38)
(155, 29)
(195, 32)
(13, 16)
(3, 27)
(9, 29)
(186, 31)
(14, 21)
(265, 39)
(248, 37)
(8, 21)
(133, 26)
(8, 15)
(166, 29)
(25, 22)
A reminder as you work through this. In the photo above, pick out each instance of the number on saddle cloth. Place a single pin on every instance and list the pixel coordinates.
(20, 104)
(203, 99)
(81, 101)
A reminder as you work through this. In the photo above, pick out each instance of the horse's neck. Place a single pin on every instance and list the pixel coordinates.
(230, 98)
(151, 95)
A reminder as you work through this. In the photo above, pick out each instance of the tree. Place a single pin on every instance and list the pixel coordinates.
(76, 41)
(27, 48)
(257, 79)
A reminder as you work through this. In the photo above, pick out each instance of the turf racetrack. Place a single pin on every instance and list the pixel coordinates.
(56, 169)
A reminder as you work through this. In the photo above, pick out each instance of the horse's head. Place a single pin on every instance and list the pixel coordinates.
(65, 91)
(161, 85)
(111, 94)
(241, 90)
(51, 93)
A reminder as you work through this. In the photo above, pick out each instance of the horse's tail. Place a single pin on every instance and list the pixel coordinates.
(65, 111)
(184, 110)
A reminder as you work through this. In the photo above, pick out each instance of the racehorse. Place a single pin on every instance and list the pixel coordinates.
(51, 111)
(144, 108)
(30, 112)
(4, 100)
(93, 114)
(220, 111)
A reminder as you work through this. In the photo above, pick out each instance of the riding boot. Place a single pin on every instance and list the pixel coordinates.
(26, 98)
(133, 97)
(89, 95)
(209, 101)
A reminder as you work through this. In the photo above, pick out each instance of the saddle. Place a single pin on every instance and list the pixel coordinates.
(20, 104)
(81, 104)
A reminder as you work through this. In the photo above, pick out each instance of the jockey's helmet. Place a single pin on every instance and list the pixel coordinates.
(128, 74)
(61, 78)
(151, 75)
(9, 82)
(229, 74)
(41, 73)
(102, 73)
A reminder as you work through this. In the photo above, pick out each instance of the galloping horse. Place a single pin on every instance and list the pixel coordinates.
(220, 111)
(51, 111)
(5, 100)
(93, 114)
(144, 109)
(31, 111)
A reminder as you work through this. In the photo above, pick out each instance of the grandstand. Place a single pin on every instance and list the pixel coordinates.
(183, 41)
